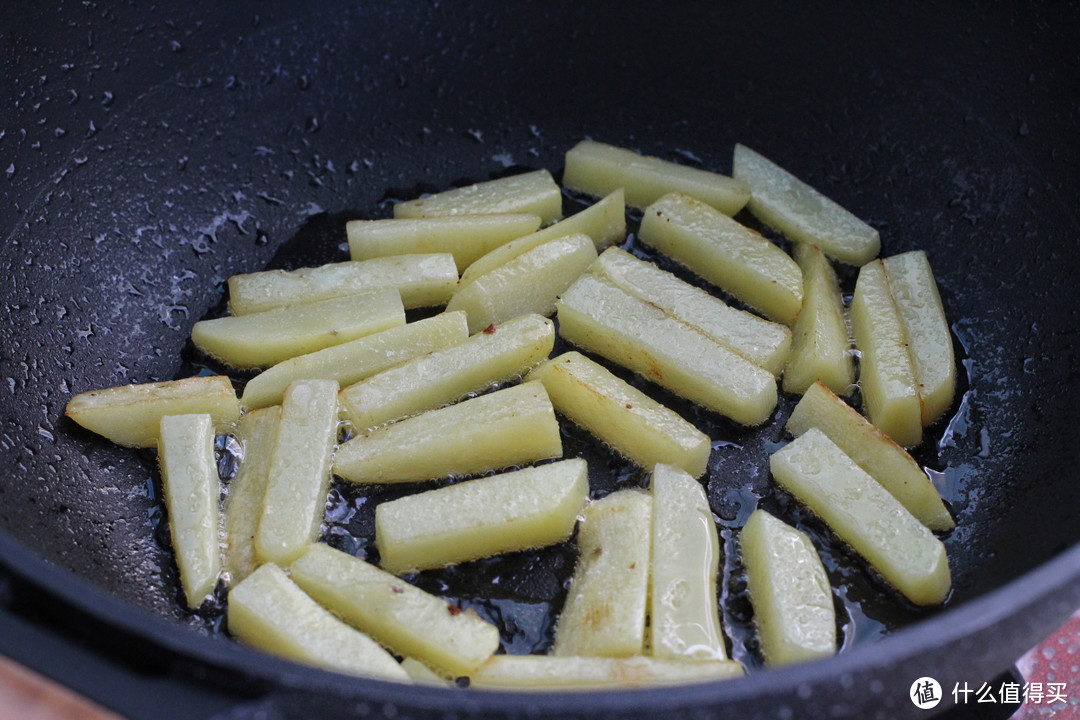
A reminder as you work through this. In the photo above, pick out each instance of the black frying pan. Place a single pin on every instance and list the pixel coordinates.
(215, 139)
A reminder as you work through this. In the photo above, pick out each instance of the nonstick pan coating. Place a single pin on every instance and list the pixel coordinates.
(948, 130)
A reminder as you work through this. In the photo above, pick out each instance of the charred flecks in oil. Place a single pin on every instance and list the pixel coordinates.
(522, 593)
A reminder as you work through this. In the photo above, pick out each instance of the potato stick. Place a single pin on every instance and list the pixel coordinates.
(257, 431)
(299, 475)
(684, 615)
(546, 672)
(603, 221)
(351, 362)
(400, 616)
(790, 592)
(131, 414)
(732, 257)
(604, 613)
(864, 515)
(761, 342)
(532, 192)
(802, 213)
(466, 237)
(422, 280)
(491, 432)
(873, 451)
(601, 318)
(192, 489)
(596, 169)
(268, 611)
(518, 510)
(821, 349)
(443, 376)
(886, 377)
(929, 342)
(621, 416)
(261, 339)
(530, 283)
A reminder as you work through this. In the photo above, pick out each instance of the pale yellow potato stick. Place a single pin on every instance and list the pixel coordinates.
(530, 283)
(400, 616)
(801, 213)
(684, 615)
(299, 475)
(596, 169)
(491, 432)
(466, 237)
(600, 318)
(351, 362)
(790, 592)
(192, 489)
(518, 510)
(604, 613)
(873, 451)
(886, 377)
(496, 354)
(821, 348)
(261, 339)
(864, 515)
(727, 254)
(915, 291)
(621, 416)
(422, 280)
(532, 192)
(131, 414)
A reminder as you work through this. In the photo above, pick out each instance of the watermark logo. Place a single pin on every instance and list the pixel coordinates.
(925, 693)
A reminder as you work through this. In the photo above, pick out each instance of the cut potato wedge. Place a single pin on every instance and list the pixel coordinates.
(790, 592)
(257, 432)
(422, 281)
(873, 451)
(131, 414)
(268, 611)
(351, 362)
(684, 615)
(596, 169)
(604, 613)
(864, 515)
(491, 432)
(801, 213)
(886, 377)
(530, 283)
(604, 222)
(191, 487)
(546, 672)
(398, 615)
(621, 416)
(599, 317)
(929, 342)
(760, 341)
(466, 237)
(261, 339)
(732, 257)
(822, 347)
(299, 475)
(532, 192)
(518, 510)
(444, 376)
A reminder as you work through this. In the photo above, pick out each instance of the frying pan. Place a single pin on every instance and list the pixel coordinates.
(152, 152)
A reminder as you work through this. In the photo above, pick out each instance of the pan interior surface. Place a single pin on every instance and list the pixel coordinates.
(255, 153)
